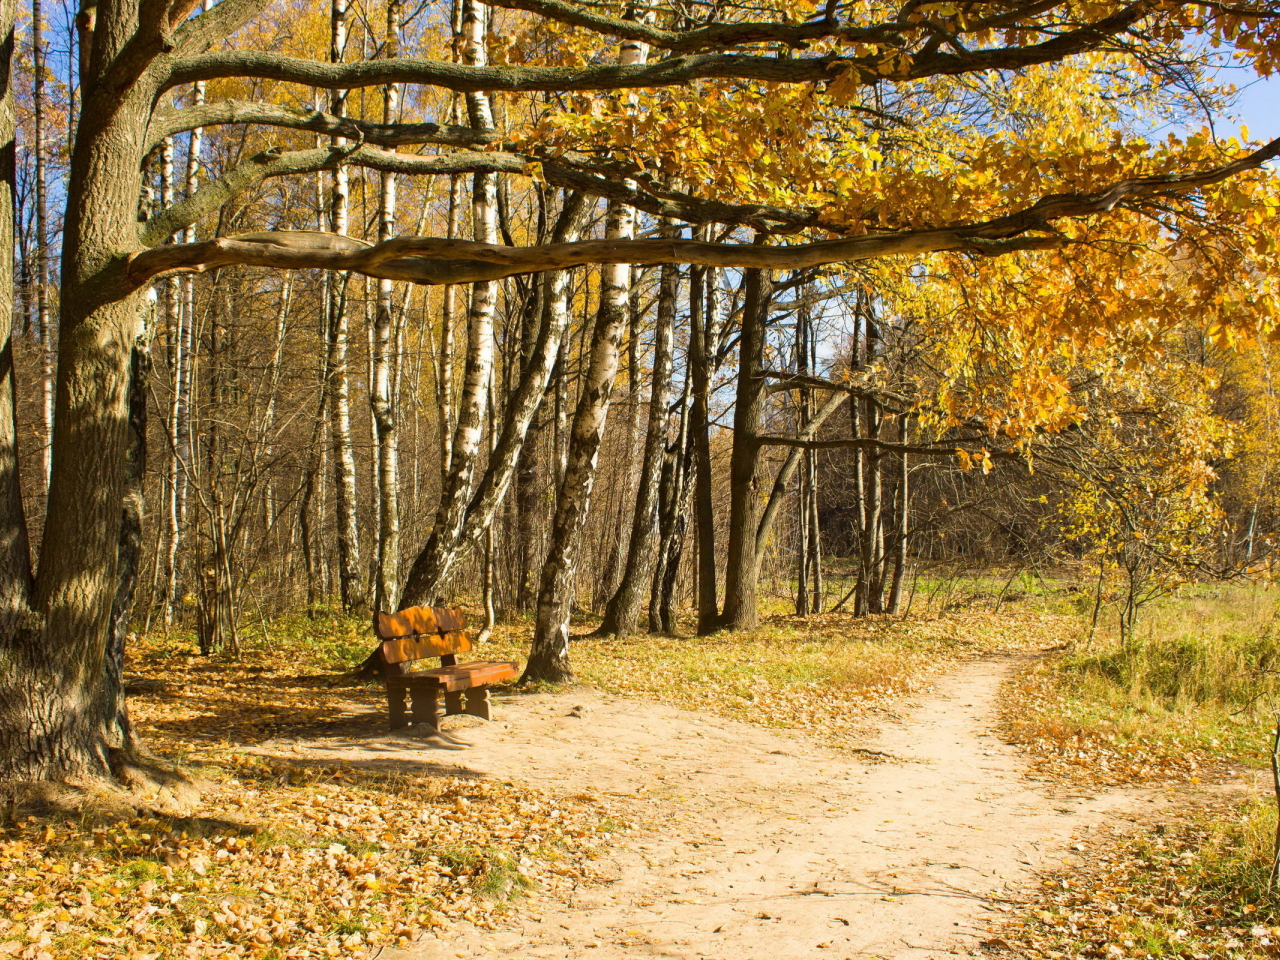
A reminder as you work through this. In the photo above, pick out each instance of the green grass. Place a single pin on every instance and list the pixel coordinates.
(1201, 680)
(491, 873)
(1193, 888)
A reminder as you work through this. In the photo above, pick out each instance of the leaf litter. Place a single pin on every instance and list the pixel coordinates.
(291, 858)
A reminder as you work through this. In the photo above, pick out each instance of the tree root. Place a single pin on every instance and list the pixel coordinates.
(138, 785)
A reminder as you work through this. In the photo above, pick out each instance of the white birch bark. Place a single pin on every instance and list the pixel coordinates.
(385, 360)
(350, 578)
(451, 515)
(549, 653)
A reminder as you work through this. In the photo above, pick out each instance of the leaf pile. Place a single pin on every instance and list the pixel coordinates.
(1196, 889)
(290, 861)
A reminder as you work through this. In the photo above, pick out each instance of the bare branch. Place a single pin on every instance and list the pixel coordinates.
(166, 123)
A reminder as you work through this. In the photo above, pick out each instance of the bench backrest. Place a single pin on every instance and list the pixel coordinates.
(416, 633)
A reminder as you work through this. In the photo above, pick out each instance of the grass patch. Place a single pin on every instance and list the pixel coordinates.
(1197, 889)
(1199, 687)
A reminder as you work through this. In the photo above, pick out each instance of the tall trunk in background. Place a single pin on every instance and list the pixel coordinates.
(804, 410)
(44, 320)
(872, 546)
(181, 332)
(308, 529)
(902, 534)
(549, 653)
(701, 351)
(350, 575)
(171, 300)
(385, 359)
(620, 546)
(673, 521)
(449, 300)
(743, 567)
(448, 338)
(433, 563)
(528, 470)
(622, 615)
(15, 553)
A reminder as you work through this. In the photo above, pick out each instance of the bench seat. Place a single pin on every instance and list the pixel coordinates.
(464, 676)
(410, 639)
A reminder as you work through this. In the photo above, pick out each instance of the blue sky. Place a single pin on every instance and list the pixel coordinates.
(1259, 107)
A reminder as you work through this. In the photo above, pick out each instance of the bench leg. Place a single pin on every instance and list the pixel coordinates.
(424, 705)
(396, 712)
(452, 703)
(478, 703)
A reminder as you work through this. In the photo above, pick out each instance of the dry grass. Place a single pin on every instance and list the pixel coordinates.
(1196, 888)
(1197, 689)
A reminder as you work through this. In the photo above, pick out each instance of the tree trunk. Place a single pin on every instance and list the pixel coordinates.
(44, 320)
(622, 615)
(117, 730)
(25, 674)
(549, 654)
(445, 545)
(673, 522)
(804, 491)
(432, 565)
(701, 366)
(350, 574)
(53, 662)
(903, 532)
(386, 586)
(620, 547)
(742, 569)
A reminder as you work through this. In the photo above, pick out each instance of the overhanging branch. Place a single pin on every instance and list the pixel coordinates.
(431, 260)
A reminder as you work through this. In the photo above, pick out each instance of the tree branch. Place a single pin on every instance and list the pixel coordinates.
(275, 163)
(166, 123)
(431, 260)
(868, 70)
(197, 35)
(712, 36)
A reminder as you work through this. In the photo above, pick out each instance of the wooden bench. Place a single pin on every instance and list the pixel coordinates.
(416, 634)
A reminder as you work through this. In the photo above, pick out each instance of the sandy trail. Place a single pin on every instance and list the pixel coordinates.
(764, 845)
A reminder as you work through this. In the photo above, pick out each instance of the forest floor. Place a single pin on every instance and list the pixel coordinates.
(968, 781)
(767, 844)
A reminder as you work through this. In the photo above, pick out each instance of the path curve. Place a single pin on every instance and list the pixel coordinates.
(764, 845)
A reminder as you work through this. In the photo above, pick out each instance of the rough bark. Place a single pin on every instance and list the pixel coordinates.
(743, 562)
(549, 652)
(385, 360)
(622, 615)
(50, 726)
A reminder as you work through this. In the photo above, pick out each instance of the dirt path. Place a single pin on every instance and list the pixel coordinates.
(767, 846)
